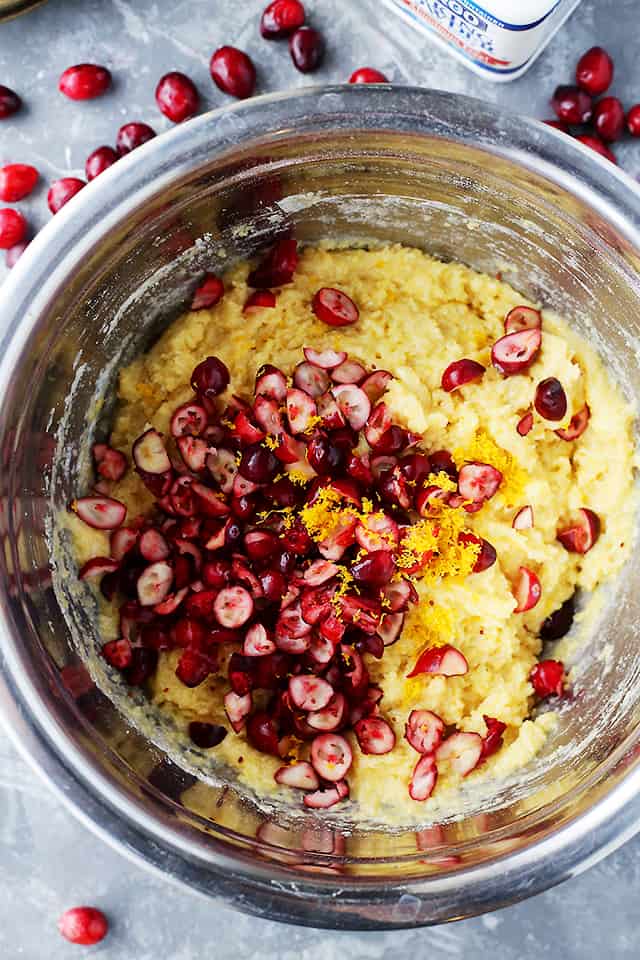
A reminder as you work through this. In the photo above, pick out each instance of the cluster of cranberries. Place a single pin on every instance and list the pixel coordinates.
(177, 98)
(600, 122)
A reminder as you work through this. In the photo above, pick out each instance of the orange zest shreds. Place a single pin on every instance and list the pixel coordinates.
(367, 505)
(270, 442)
(346, 586)
(326, 514)
(227, 423)
(484, 449)
(441, 480)
(287, 514)
(313, 423)
(297, 476)
(146, 391)
(433, 625)
(440, 540)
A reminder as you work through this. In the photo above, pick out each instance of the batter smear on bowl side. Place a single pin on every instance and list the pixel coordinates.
(345, 499)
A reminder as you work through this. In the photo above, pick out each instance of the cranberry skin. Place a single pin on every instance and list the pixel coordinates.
(283, 493)
(306, 47)
(189, 633)
(557, 125)
(608, 118)
(85, 81)
(133, 135)
(13, 228)
(281, 18)
(595, 143)
(375, 569)
(274, 585)
(558, 623)
(262, 732)
(594, 71)
(285, 562)
(550, 399)
(206, 735)
(258, 464)
(442, 461)
(100, 160)
(10, 102)
(243, 507)
(633, 120)
(416, 467)
(547, 678)
(83, 925)
(233, 72)
(17, 180)
(210, 378)
(572, 104)
(367, 75)
(216, 573)
(325, 457)
(233, 535)
(177, 96)
(61, 191)
(13, 254)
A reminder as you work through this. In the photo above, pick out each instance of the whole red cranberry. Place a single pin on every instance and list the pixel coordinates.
(84, 81)
(98, 161)
(61, 191)
(17, 180)
(633, 120)
(550, 399)
(608, 118)
(83, 925)
(210, 378)
(233, 72)
(557, 125)
(262, 732)
(594, 71)
(367, 75)
(177, 96)
(13, 254)
(595, 143)
(572, 104)
(13, 228)
(281, 18)
(306, 46)
(10, 102)
(133, 135)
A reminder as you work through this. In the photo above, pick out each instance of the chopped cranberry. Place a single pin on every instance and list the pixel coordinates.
(608, 118)
(550, 399)
(282, 493)
(633, 120)
(84, 81)
(334, 307)
(461, 372)
(306, 47)
(273, 584)
(367, 75)
(442, 461)
(375, 569)
(580, 537)
(133, 135)
(233, 72)
(99, 161)
(189, 633)
(262, 732)
(13, 254)
(258, 464)
(10, 102)
(594, 71)
(17, 180)
(416, 467)
(547, 678)
(63, 190)
(13, 228)
(194, 667)
(281, 18)
(572, 104)
(558, 623)
(206, 735)
(83, 925)
(525, 424)
(595, 143)
(143, 665)
(492, 741)
(276, 269)
(325, 457)
(177, 96)
(210, 378)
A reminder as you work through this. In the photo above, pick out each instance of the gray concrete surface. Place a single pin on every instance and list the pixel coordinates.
(47, 860)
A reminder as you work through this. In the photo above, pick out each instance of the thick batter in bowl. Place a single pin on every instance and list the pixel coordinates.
(116, 267)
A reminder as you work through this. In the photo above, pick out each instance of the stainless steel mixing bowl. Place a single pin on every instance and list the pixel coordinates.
(452, 175)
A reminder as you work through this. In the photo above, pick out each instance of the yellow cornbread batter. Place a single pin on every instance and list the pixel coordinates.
(417, 315)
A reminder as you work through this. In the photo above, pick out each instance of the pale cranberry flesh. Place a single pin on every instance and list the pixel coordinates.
(133, 135)
(63, 190)
(83, 925)
(84, 81)
(608, 118)
(177, 96)
(306, 47)
(233, 72)
(10, 102)
(17, 180)
(281, 18)
(13, 228)
(368, 75)
(572, 104)
(594, 71)
(515, 352)
(100, 160)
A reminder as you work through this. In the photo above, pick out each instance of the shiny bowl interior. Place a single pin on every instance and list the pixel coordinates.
(445, 173)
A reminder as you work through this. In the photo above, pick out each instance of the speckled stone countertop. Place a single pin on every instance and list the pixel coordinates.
(48, 861)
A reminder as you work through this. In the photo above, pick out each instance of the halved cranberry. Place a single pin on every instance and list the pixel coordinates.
(522, 318)
(367, 75)
(300, 409)
(423, 779)
(325, 457)
(207, 294)
(154, 583)
(13, 228)
(349, 371)
(478, 481)
(133, 135)
(594, 71)
(301, 776)
(310, 693)
(487, 555)
(63, 190)
(461, 372)
(523, 519)
(102, 513)
(210, 378)
(306, 47)
(277, 268)
(424, 730)
(525, 424)
(572, 104)
(327, 796)
(233, 72)
(595, 143)
(550, 400)
(334, 307)
(492, 741)
(311, 379)
(177, 96)
(188, 632)
(84, 81)
(608, 118)
(10, 102)
(83, 925)
(325, 359)
(515, 352)
(153, 546)
(237, 709)
(17, 180)
(375, 384)
(331, 756)
(375, 736)
(233, 607)
(353, 403)
(445, 660)
(462, 751)
(527, 590)
(577, 425)
(581, 536)
(110, 464)
(547, 678)
(281, 18)
(262, 732)
(259, 300)
(118, 653)
(273, 584)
